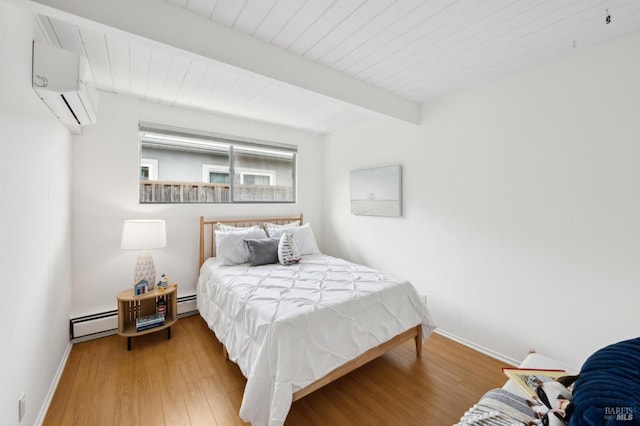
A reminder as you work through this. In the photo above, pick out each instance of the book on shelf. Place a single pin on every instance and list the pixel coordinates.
(530, 378)
(150, 326)
(149, 321)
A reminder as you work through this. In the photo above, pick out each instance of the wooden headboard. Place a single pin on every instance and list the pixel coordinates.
(208, 231)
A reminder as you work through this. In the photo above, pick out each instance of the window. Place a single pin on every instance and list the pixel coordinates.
(257, 176)
(148, 169)
(216, 174)
(183, 166)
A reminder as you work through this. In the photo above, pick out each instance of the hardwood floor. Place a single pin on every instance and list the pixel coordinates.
(186, 381)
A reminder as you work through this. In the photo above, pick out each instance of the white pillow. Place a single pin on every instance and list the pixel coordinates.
(303, 237)
(274, 230)
(288, 252)
(305, 240)
(231, 248)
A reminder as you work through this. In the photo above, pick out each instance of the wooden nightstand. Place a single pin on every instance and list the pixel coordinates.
(131, 307)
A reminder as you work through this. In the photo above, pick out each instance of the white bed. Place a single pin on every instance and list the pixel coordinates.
(292, 329)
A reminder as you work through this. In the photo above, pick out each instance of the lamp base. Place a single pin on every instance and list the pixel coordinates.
(145, 270)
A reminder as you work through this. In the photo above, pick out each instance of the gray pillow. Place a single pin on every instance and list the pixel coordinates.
(262, 251)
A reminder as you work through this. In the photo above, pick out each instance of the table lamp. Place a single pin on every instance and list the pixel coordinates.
(144, 235)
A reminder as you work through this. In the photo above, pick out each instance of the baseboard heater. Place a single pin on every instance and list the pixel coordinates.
(106, 323)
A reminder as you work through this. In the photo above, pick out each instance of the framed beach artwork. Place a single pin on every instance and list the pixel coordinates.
(377, 191)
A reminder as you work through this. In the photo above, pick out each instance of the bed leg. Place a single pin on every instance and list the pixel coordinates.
(418, 340)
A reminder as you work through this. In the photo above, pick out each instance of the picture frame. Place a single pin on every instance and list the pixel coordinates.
(376, 191)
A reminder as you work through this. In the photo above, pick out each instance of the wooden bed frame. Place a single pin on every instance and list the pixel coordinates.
(208, 249)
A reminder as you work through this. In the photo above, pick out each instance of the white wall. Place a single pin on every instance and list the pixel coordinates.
(35, 153)
(105, 192)
(522, 205)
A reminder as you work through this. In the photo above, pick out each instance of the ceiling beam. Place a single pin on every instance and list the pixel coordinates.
(154, 21)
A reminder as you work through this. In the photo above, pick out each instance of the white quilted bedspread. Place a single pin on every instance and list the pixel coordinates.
(287, 326)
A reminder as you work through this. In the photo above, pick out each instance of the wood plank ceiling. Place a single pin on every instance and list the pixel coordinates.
(416, 49)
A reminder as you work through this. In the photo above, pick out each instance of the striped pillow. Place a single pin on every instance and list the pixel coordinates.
(222, 227)
(288, 252)
(274, 230)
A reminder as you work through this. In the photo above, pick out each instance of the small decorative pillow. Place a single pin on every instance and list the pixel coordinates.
(288, 252)
(274, 230)
(263, 251)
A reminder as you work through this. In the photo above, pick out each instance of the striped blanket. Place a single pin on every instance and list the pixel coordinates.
(498, 407)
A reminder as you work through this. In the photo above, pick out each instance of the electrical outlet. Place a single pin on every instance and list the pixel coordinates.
(22, 406)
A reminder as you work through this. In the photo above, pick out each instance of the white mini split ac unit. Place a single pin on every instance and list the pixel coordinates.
(64, 82)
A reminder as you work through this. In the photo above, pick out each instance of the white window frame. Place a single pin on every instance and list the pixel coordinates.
(152, 164)
(208, 168)
(257, 172)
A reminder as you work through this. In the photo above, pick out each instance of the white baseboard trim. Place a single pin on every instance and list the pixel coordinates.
(54, 386)
(103, 324)
(493, 354)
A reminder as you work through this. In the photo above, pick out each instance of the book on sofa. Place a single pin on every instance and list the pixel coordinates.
(530, 378)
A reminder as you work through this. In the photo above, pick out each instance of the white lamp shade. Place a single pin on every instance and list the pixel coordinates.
(143, 234)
